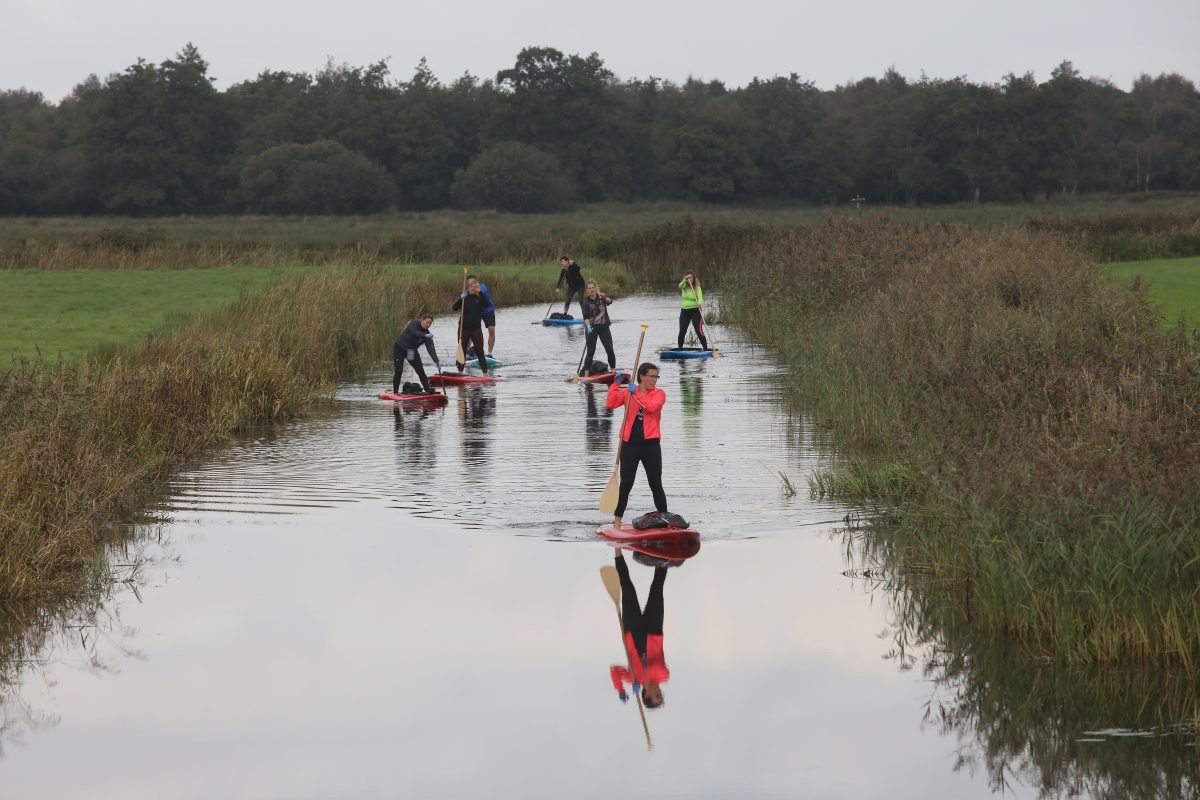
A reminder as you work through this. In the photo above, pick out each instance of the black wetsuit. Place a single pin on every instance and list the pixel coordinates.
(472, 325)
(405, 349)
(597, 311)
(573, 277)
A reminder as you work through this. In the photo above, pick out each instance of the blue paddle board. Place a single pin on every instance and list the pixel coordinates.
(549, 321)
(491, 362)
(686, 352)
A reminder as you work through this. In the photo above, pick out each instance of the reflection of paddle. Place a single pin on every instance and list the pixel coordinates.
(608, 500)
(459, 356)
(612, 582)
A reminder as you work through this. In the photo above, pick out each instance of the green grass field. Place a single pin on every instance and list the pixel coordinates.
(1174, 284)
(72, 312)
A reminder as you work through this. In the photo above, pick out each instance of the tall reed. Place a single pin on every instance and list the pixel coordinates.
(83, 446)
(1043, 425)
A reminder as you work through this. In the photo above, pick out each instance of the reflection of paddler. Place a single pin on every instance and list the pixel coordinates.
(643, 639)
(691, 391)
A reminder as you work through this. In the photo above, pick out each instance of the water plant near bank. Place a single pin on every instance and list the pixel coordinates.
(1029, 423)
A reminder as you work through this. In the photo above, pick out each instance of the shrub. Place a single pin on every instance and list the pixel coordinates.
(319, 178)
(513, 177)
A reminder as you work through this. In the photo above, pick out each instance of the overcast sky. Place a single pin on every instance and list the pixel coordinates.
(51, 45)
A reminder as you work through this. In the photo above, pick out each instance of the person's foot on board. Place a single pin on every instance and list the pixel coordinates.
(616, 522)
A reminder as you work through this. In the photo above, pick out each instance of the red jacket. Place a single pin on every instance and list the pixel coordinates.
(653, 671)
(651, 402)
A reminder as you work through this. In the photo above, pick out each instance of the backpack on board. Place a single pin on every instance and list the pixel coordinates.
(560, 315)
(659, 519)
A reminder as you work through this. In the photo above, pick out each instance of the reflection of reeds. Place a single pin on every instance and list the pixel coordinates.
(85, 445)
(1031, 422)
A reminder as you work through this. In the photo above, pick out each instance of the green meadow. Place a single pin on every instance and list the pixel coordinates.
(67, 313)
(1172, 283)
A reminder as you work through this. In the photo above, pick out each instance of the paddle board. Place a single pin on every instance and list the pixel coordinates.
(599, 377)
(685, 352)
(435, 399)
(628, 533)
(491, 362)
(549, 321)
(451, 378)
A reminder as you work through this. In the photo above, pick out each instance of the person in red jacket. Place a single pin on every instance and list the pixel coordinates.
(643, 629)
(640, 435)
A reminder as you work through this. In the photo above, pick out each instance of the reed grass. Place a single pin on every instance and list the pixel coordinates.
(1036, 426)
(85, 445)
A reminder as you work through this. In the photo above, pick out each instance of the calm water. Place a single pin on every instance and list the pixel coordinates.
(375, 602)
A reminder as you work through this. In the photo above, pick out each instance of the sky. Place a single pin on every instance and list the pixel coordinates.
(51, 45)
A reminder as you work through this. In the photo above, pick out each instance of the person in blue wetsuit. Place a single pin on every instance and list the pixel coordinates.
(415, 334)
(489, 315)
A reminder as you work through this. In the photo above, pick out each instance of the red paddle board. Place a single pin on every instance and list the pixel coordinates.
(423, 399)
(599, 377)
(450, 379)
(628, 533)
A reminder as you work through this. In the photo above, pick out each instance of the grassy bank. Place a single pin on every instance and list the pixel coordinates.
(1125, 228)
(1029, 425)
(1173, 284)
(68, 313)
(85, 444)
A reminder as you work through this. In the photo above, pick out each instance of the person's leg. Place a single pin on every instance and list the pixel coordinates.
(491, 339)
(590, 351)
(652, 617)
(477, 339)
(684, 319)
(399, 364)
(652, 461)
(606, 339)
(465, 341)
(629, 465)
(632, 619)
(698, 324)
(414, 358)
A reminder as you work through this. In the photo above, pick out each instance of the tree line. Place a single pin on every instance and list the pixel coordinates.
(555, 129)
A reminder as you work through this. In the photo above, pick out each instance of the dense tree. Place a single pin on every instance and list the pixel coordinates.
(512, 176)
(318, 178)
(160, 139)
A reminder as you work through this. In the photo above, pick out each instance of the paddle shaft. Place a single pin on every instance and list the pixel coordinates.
(459, 356)
(612, 582)
(607, 497)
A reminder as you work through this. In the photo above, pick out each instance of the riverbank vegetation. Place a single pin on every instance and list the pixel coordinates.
(1117, 229)
(1026, 427)
(85, 445)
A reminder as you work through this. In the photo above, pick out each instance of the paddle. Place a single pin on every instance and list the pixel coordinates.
(459, 356)
(546, 316)
(608, 500)
(715, 352)
(575, 377)
(612, 583)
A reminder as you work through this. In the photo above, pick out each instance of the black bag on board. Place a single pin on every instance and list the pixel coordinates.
(560, 315)
(659, 519)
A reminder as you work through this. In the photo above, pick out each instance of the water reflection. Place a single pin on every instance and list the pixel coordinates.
(1116, 733)
(474, 408)
(691, 388)
(598, 422)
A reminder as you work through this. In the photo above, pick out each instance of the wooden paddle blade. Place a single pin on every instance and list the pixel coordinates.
(612, 583)
(608, 500)
(459, 356)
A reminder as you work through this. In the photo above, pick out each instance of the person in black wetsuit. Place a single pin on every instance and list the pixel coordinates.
(472, 304)
(573, 277)
(415, 334)
(594, 309)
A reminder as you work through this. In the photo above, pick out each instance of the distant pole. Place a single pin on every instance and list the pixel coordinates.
(858, 200)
